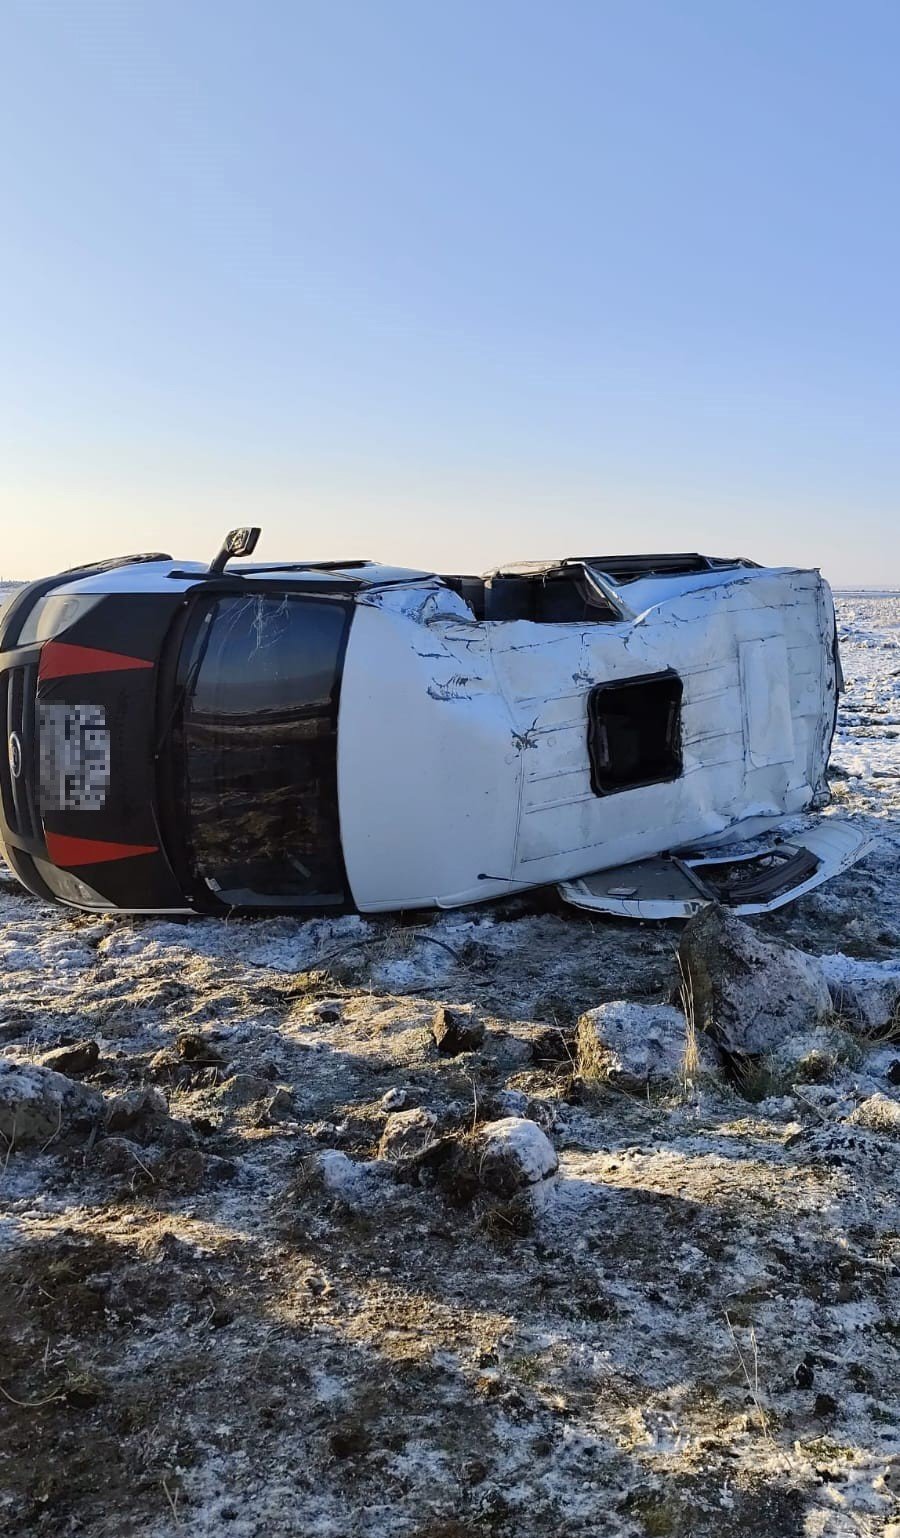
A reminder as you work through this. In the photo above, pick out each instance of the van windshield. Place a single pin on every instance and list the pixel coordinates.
(259, 675)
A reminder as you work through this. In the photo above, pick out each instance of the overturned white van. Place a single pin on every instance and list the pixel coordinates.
(323, 735)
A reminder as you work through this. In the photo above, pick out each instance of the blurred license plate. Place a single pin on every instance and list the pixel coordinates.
(74, 758)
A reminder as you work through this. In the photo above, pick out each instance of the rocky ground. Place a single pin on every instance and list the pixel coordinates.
(460, 1227)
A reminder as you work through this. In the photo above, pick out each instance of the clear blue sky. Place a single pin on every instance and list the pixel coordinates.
(450, 282)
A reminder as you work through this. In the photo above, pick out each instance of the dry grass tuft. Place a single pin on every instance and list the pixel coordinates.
(690, 1061)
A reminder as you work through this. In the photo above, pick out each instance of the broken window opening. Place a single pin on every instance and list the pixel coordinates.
(634, 732)
(563, 597)
(553, 598)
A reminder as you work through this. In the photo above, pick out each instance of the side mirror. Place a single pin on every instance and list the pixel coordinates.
(238, 542)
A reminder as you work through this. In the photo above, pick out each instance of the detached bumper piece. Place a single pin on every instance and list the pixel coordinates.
(757, 879)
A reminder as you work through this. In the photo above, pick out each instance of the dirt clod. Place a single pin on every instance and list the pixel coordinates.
(455, 1031)
(513, 1154)
(407, 1132)
(199, 1049)
(553, 1044)
(37, 1104)
(80, 1057)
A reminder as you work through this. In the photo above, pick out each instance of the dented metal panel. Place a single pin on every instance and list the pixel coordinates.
(478, 751)
(766, 701)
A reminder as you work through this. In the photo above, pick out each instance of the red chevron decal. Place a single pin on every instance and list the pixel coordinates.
(60, 659)
(66, 851)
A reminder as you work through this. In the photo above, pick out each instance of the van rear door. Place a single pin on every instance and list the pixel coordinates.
(751, 878)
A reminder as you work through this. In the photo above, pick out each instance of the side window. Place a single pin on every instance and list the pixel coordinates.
(265, 655)
(634, 732)
(259, 736)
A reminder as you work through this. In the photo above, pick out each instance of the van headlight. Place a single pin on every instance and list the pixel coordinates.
(54, 614)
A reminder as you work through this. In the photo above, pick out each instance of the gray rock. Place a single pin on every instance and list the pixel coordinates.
(509, 1102)
(635, 1045)
(750, 994)
(456, 1031)
(407, 1133)
(80, 1057)
(37, 1104)
(865, 993)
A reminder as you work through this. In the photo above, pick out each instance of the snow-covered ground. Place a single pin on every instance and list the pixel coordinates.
(248, 1315)
(868, 739)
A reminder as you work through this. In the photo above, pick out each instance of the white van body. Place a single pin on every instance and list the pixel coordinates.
(543, 724)
(463, 760)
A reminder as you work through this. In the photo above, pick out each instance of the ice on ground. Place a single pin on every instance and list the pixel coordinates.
(868, 733)
(353, 1181)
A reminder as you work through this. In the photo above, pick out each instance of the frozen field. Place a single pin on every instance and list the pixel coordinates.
(869, 725)
(241, 1313)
